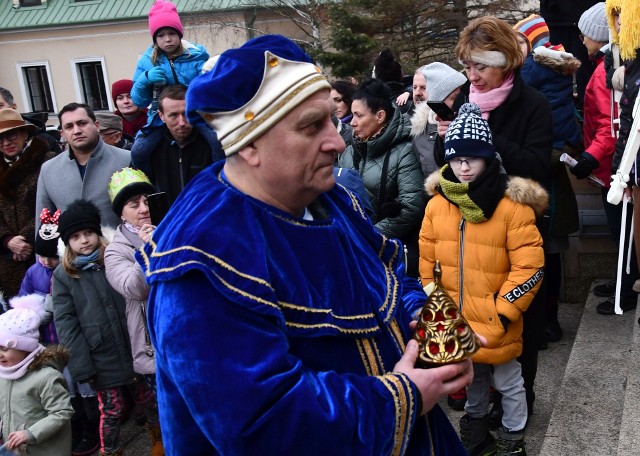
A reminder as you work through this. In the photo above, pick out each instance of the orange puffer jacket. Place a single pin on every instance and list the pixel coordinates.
(496, 265)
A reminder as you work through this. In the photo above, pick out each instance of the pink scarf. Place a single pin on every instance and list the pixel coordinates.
(488, 101)
(17, 371)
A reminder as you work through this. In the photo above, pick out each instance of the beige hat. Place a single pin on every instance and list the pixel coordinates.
(109, 121)
(10, 119)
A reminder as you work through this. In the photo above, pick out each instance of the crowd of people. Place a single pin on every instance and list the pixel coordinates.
(274, 304)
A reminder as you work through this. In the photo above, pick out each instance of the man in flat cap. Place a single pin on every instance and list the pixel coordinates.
(280, 316)
(110, 126)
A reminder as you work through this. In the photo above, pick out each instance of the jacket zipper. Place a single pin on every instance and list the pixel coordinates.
(181, 169)
(173, 70)
(460, 261)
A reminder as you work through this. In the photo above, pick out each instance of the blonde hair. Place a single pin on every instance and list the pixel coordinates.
(69, 257)
(488, 33)
(157, 52)
(612, 8)
(629, 38)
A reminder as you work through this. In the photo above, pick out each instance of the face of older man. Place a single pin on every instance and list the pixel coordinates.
(111, 136)
(293, 161)
(173, 114)
(419, 88)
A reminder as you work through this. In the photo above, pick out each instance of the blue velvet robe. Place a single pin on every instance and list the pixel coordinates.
(276, 335)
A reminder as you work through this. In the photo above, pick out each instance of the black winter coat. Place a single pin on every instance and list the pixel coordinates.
(91, 322)
(522, 133)
(629, 94)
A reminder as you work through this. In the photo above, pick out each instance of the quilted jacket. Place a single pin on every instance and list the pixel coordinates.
(403, 181)
(497, 263)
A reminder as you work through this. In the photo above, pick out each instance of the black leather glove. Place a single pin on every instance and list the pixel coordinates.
(586, 164)
(505, 322)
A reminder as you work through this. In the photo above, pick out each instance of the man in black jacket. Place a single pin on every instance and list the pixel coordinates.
(175, 153)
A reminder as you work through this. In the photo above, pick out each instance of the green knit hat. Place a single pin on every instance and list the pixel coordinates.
(126, 183)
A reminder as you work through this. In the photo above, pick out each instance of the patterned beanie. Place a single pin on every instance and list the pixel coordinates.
(469, 135)
(126, 183)
(48, 235)
(593, 23)
(19, 325)
(164, 14)
(80, 215)
(535, 29)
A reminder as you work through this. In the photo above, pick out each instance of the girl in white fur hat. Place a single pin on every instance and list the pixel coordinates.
(34, 402)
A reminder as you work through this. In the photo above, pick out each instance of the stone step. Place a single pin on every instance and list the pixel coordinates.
(588, 410)
(629, 441)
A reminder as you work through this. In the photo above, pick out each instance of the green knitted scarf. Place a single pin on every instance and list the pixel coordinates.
(476, 200)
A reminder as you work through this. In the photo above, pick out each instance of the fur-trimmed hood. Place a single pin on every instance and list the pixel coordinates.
(561, 62)
(519, 189)
(55, 356)
(422, 116)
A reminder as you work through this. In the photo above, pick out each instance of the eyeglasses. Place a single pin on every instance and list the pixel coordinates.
(9, 136)
(469, 161)
(109, 132)
(581, 36)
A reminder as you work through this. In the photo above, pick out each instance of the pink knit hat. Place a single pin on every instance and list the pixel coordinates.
(164, 14)
(19, 325)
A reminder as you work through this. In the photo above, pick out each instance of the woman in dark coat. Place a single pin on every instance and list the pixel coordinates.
(22, 157)
(520, 121)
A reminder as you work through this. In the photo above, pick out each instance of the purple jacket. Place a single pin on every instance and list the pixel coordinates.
(37, 280)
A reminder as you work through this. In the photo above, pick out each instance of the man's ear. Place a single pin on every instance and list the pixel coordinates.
(250, 154)
(161, 115)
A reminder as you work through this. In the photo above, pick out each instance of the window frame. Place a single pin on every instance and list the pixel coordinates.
(77, 82)
(26, 94)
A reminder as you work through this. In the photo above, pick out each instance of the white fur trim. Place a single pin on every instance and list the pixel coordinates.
(557, 55)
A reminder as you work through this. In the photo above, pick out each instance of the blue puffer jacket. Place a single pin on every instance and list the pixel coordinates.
(181, 70)
(550, 72)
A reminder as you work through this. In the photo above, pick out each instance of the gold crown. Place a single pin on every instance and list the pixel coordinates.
(285, 84)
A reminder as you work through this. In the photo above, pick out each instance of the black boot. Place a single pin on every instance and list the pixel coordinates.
(90, 442)
(510, 443)
(475, 436)
(495, 414)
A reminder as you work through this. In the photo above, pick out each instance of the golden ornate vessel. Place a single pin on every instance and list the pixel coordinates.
(443, 334)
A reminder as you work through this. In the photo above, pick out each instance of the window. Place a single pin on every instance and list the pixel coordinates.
(37, 87)
(91, 83)
(30, 2)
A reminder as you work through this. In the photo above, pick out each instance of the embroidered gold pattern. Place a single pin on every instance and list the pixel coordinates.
(396, 334)
(398, 385)
(277, 107)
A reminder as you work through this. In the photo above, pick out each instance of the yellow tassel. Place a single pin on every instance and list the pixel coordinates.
(629, 29)
(612, 7)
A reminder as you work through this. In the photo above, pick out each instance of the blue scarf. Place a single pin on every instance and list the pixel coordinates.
(85, 262)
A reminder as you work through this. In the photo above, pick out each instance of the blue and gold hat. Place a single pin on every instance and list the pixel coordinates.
(252, 88)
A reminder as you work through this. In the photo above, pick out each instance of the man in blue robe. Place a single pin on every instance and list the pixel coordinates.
(280, 316)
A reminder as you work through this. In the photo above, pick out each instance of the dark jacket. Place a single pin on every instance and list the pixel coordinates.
(629, 94)
(18, 185)
(170, 167)
(403, 179)
(522, 133)
(91, 322)
(551, 72)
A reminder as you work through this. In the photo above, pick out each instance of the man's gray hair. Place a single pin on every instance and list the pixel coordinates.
(8, 97)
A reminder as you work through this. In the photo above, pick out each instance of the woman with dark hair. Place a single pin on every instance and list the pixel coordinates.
(22, 157)
(383, 155)
(342, 96)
